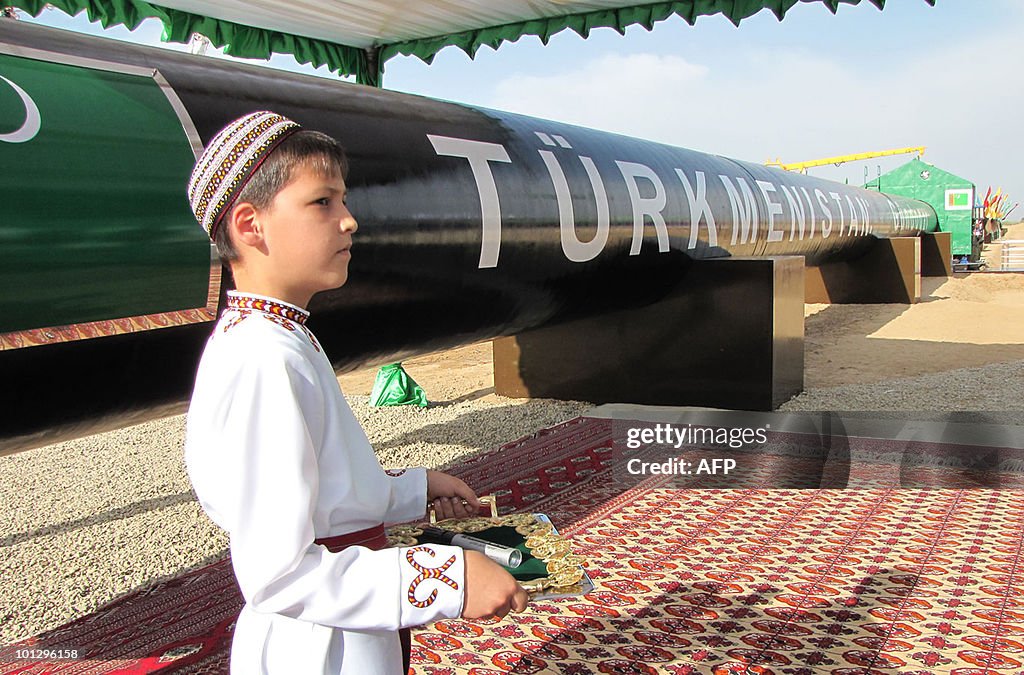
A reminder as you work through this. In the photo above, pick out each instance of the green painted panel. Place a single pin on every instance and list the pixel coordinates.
(94, 221)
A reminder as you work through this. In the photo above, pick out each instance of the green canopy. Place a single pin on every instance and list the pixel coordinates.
(358, 36)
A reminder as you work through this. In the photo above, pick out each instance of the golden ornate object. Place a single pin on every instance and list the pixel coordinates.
(565, 570)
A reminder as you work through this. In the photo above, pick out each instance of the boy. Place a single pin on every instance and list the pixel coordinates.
(274, 453)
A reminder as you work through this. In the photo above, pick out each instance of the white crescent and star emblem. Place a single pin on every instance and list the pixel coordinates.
(30, 128)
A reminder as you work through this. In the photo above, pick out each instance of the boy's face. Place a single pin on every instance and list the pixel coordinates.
(308, 233)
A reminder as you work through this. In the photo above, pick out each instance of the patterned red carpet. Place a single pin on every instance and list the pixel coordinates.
(748, 580)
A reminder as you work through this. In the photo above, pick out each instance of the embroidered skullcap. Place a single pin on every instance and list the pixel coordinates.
(230, 160)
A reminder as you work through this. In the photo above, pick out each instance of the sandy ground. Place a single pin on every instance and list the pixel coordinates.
(964, 321)
(461, 374)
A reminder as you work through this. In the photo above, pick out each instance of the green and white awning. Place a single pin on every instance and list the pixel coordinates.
(357, 37)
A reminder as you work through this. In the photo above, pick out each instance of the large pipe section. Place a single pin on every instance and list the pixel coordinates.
(474, 223)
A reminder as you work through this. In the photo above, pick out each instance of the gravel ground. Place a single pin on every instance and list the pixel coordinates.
(95, 518)
(994, 387)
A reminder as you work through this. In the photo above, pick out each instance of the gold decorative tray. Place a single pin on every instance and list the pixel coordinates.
(549, 568)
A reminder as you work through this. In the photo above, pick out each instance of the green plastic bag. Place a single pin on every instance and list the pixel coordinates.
(393, 386)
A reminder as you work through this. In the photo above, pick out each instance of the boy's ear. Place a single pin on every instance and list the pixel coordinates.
(245, 227)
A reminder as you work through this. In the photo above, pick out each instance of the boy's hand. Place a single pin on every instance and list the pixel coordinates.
(451, 497)
(490, 590)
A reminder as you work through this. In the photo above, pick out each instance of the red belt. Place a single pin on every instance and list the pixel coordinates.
(371, 537)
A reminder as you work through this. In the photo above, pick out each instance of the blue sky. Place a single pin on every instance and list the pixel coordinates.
(815, 85)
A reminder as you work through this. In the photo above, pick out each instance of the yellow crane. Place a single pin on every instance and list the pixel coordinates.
(841, 159)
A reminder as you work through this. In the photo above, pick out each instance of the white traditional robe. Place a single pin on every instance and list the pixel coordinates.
(277, 459)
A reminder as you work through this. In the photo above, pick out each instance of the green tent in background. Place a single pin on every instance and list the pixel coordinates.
(951, 196)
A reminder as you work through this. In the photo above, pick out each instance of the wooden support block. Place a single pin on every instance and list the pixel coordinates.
(890, 271)
(937, 254)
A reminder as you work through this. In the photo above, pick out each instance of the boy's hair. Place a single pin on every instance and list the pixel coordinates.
(308, 148)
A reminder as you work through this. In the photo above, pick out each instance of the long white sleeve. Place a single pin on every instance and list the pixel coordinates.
(408, 495)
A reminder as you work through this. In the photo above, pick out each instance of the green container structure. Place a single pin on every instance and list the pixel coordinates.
(951, 196)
